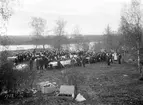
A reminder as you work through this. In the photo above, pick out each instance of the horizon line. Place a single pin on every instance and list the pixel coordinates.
(52, 34)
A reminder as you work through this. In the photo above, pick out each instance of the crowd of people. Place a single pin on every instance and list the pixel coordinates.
(77, 58)
(44, 59)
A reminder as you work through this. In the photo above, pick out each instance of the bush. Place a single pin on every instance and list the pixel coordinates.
(7, 78)
(11, 79)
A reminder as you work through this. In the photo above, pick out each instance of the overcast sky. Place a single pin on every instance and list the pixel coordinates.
(92, 16)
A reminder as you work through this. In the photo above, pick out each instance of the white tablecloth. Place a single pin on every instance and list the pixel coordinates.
(21, 66)
(88, 58)
(66, 62)
(75, 56)
(53, 63)
(11, 58)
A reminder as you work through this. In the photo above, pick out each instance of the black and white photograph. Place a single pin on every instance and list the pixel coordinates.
(71, 52)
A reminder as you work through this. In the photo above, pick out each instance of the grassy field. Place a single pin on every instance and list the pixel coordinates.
(102, 85)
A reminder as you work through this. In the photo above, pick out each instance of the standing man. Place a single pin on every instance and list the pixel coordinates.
(79, 61)
(34, 52)
(119, 58)
(108, 58)
(111, 57)
(31, 64)
(83, 60)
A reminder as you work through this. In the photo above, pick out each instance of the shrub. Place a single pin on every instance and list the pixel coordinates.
(7, 78)
(12, 79)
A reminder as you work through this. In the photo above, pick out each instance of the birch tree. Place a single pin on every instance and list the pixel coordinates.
(59, 31)
(110, 41)
(131, 28)
(6, 11)
(78, 38)
(38, 24)
(7, 74)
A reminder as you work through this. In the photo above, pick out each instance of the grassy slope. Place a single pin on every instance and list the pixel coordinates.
(104, 85)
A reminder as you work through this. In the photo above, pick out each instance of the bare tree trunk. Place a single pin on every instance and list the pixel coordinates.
(36, 46)
(34, 51)
(138, 55)
(124, 56)
(43, 47)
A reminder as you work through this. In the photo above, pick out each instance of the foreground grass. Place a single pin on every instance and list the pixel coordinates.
(103, 85)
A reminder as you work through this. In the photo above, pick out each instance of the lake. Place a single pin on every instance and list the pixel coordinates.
(22, 47)
(27, 47)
